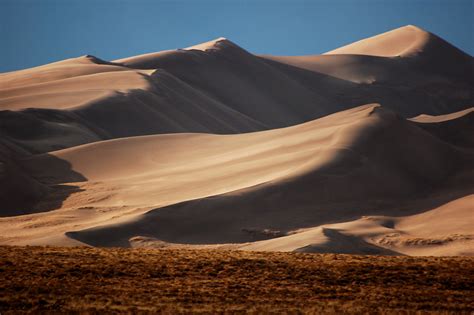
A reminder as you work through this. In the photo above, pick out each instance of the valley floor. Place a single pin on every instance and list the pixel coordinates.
(83, 279)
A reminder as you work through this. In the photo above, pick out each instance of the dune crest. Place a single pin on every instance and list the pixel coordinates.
(401, 42)
(212, 44)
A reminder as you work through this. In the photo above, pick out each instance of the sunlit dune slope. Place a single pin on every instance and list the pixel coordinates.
(405, 41)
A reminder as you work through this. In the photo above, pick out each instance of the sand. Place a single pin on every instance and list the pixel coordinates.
(212, 146)
(287, 183)
(218, 87)
(404, 41)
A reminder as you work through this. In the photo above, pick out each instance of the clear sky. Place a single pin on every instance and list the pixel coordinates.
(35, 32)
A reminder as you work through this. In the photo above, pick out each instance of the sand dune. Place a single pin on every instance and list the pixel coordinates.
(354, 154)
(455, 128)
(443, 230)
(212, 146)
(74, 67)
(218, 87)
(209, 189)
(419, 60)
(405, 41)
(402, 42)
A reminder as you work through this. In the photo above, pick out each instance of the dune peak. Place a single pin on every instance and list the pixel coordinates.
(92, 59)
(218, 43)
(411, 26)
(403, 41)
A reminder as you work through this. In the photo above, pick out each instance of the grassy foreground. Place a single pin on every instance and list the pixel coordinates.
(172, 281)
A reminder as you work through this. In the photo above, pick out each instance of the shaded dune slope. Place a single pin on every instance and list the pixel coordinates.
(19, 191)
(456, 128)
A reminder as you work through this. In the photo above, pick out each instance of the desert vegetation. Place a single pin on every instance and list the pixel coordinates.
(84, 279)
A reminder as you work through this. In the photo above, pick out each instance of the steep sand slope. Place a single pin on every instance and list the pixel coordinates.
(218, 87)
(209, 189)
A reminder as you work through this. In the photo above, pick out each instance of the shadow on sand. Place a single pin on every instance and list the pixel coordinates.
(221, 219)
(25, 190)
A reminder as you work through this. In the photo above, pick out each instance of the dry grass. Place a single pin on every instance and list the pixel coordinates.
(172, 281)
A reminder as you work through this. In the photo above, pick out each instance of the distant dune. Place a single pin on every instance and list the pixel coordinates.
(212, 146)
(405, 41)
(218, 87)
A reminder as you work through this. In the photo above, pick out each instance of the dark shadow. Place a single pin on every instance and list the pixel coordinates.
(34, 184)
(41, 130)
(346, 244)
(220, 219)
(394, 89)
(458, 131)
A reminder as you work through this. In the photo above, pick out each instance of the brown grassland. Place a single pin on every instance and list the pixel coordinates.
(92, 280)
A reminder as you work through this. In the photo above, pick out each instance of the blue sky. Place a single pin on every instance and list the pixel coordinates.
(35, 32)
